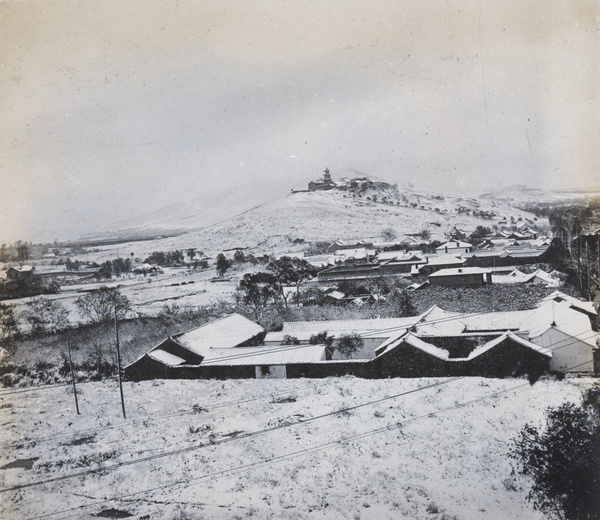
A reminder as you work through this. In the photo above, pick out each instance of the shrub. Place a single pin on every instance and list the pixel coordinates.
(348, 344)
(563, 460)
(322, 338)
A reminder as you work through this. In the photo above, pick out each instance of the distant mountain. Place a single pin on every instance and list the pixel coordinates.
(521, 194)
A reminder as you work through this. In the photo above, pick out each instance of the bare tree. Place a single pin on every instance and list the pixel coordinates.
(389, 234)
(9, 327)
(44, 315)
(100, 306)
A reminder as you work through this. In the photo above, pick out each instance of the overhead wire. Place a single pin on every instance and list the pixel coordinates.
(565, 343)
(275, 459)
(241, 436)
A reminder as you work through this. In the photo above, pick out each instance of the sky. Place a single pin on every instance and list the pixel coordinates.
(112, 109)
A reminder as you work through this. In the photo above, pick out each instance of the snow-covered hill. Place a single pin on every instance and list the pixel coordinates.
(331, 215)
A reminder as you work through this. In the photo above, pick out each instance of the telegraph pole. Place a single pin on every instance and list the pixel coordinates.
(587, 262)
(119, 361)
(73, 376)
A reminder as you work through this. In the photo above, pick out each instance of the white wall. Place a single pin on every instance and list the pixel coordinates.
(567, 351)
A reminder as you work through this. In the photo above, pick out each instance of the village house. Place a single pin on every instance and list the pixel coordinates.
(461, 277)
(538, 277)
(24, 272)
(454, 247)
(558, 335)
(456, 234)
(438, 262)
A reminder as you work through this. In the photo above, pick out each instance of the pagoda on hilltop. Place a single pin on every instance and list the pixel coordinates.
(322, 184)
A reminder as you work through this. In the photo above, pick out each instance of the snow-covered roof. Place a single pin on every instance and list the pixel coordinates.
(459, 271)
(226, 332)
(23, 268)
(414, 341)
(559, 296)
(399, 256)
(506, 320)
(445, 259)
(320, 260)
(358, 252)
(438, 322)
(375, 328)
(270, 355)
(408, 240)
(561, 316)
(515, 276)
(165, 357)
(517, 339)
(454, 244)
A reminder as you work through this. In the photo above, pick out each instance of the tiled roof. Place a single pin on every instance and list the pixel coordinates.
(223, 333)
(270, 355)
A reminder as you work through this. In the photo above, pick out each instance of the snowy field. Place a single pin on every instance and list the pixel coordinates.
(281, 449)
(148, 295)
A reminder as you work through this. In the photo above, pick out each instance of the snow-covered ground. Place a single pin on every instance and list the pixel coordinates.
(148, 294)
(272, 448)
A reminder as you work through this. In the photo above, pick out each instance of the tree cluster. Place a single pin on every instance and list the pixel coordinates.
(115, 267)
(27, 287)
(166, 258)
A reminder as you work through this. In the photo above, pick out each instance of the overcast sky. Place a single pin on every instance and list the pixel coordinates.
(110, 109)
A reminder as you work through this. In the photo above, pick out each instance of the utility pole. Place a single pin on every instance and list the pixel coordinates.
(587, 261)
(73, 376)
(119, 361)
(579, 260)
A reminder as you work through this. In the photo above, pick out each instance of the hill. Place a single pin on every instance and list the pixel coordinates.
(322, 215)
(335, 214)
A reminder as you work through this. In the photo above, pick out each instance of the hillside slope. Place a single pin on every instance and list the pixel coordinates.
(331, 215)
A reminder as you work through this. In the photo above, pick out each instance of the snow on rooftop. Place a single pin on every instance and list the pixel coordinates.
(428, 348)
(445, 259)
(226, 332)
(455, 271)
(559, 296)
(497, 341)
(375, 327)
(165, 357)
(271, 355)
(507, 320)
(563, 317)
(399, 256)
(454, 244)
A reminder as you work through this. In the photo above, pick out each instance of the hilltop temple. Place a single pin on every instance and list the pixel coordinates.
(326, 183)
